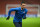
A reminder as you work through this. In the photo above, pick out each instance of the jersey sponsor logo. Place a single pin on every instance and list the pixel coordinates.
(24, 12)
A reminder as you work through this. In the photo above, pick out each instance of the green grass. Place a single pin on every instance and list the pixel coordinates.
(29, 22)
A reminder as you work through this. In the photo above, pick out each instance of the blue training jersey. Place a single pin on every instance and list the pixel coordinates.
(19, 14)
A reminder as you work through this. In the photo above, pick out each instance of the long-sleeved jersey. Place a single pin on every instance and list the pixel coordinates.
(19, 14)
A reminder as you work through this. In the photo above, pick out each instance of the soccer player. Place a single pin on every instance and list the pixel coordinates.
(20, 12)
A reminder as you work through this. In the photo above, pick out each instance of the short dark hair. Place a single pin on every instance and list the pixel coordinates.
(22, 2)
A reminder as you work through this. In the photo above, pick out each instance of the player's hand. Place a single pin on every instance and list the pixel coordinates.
(24, 18)
(8, 18)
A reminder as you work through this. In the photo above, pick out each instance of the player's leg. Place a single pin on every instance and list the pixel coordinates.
(16, 24)
(20, 24)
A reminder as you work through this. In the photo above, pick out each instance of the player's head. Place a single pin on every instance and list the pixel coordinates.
(23, 5)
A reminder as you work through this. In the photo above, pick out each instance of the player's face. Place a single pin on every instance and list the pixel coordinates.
(23, 5)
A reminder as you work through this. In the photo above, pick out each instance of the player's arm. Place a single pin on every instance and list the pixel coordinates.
(24, 15)
(12, 9)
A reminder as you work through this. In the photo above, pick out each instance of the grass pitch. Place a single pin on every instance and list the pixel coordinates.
(29, 22)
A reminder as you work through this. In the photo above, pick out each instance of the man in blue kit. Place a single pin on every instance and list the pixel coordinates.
(20, 12)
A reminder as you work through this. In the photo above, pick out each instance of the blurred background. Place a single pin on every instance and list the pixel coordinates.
(33, 7)
(33, 15)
